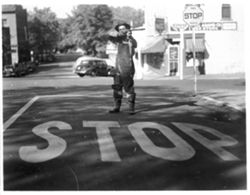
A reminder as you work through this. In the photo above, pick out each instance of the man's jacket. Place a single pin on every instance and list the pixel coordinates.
(126, 50)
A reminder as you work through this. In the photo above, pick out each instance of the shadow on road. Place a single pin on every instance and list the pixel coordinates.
(150, 99)
(80, 165)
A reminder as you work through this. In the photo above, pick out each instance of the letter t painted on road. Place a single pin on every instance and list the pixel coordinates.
(105, 141)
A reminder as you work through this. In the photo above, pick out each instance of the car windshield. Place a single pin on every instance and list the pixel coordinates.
(84, 63)
(100, 63)
(92, 63)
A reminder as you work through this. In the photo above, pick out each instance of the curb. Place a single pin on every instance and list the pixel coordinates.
(191, 77)
(222, 103)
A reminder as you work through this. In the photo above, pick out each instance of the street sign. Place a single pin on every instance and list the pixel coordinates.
(179, 27)
(193, 15)
(206, 26)
(159, 24)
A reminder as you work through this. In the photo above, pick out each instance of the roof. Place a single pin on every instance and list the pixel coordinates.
(90, 58)
(87, 58)
(11, 8)
(154, 45)
(139, 28)
(199, 45)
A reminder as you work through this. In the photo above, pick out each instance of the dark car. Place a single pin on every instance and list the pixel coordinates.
(16, 69)
(92, 66)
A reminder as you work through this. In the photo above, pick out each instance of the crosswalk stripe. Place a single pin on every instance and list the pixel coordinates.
(19, 113)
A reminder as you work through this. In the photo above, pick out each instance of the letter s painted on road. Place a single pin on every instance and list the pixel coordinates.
(56, 145)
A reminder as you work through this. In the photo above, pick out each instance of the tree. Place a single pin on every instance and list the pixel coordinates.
(89, 24)
(43, 28)
(67, 40)
(87, 28)
(128, 14)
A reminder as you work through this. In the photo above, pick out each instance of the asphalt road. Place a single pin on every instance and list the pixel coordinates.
(58, 135)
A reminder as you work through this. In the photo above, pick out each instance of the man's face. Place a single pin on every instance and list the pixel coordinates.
(129, 33)
(122, 30)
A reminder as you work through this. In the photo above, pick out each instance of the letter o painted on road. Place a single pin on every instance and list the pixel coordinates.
(181, 151)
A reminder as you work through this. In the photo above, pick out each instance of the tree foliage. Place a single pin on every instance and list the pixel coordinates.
(129, 15)
(89, 24)
(43, 29)
(85, 28)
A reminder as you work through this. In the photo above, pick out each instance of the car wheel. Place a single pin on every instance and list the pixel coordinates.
(17, 74)
(81, 75)
(93, 74)
(109, 72)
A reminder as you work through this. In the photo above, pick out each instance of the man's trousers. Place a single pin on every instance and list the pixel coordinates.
(125, 82)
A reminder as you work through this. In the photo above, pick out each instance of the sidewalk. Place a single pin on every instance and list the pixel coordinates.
(235, 99)
(199, 77)
(231, 97)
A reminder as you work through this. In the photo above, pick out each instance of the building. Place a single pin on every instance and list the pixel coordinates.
(14, 25)
(165, 44)
(6, 45)
(220, 36)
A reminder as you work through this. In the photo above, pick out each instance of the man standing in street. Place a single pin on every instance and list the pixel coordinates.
(123, 77)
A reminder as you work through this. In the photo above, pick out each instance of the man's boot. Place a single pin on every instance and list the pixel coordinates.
(131, 101)
(117, 106)
(131, 108)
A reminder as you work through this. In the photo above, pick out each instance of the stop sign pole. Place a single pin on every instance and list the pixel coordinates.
(193, 16)
(194, 57)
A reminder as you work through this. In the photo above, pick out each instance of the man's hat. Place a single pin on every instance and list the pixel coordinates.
(127, 26)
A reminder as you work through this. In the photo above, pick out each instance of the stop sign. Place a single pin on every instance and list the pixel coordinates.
(193, 15)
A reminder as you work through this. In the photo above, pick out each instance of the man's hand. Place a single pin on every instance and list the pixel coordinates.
(113, 33)
(113, 72)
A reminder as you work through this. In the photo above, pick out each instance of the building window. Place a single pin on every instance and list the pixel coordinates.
(25, 33)
(226, 12)
(4, 22)
(155, 60)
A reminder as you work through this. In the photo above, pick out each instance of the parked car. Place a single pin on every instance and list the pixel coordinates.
(8, 70)
(32, 66)
(16, 69)
(92, 66)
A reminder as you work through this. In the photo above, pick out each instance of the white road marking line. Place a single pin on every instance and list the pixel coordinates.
(73, 95)
(56, 145)
(215, 146)
(19, 113)
(27, 105)
(180, 152)
(105, 140)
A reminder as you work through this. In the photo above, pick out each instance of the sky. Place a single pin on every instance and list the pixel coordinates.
(62, 8)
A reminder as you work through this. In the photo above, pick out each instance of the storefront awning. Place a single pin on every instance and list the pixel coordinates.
(199, 45)
(154, 45)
